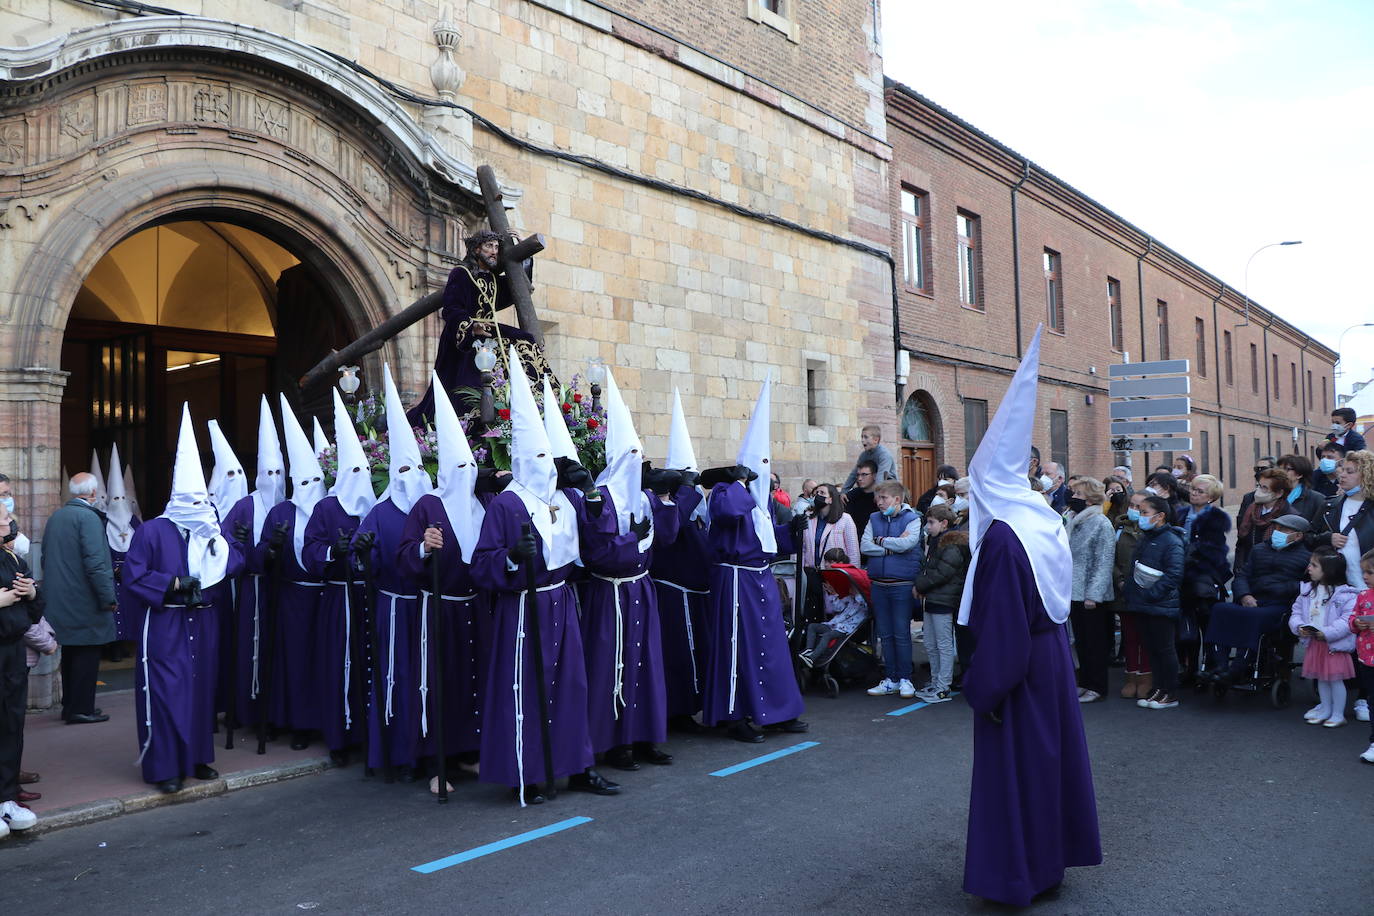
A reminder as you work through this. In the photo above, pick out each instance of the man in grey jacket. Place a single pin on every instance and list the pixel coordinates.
(79, 591)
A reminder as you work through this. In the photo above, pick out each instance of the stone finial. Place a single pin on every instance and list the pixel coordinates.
(445, 73)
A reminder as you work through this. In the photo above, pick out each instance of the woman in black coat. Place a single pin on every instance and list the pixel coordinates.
(1303, 499)
(1166, 485)
(1152, 592)
(20, 608)
(1206, 569)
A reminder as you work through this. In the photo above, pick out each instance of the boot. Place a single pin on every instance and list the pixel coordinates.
(1128, 691)
(1144, 685)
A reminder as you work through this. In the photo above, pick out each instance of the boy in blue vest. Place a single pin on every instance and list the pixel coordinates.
(892, 545)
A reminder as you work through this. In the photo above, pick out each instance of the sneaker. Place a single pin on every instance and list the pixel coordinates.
(806, 659)
(926, 692)
(1362, 710)
(1163, 701)
(1144, 702)
(884, 688)
(1334, 723)
(1316, 713)
(941, 697)
(906, 689)
(1089, 696)
(1368, 755)
(17, 816)
(5, 828)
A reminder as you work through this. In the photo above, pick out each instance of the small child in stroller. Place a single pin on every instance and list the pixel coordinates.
(846, 589)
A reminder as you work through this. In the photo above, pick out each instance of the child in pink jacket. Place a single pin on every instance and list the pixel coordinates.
(1321, 616)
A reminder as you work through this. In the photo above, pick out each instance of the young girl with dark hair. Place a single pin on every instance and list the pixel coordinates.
(1321, 616)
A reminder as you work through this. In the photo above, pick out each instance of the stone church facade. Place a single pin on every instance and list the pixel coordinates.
(711, 179)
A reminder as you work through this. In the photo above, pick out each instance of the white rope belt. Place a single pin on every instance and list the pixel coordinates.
(618, 691)
(424, 651)
(391, 647)
(518, 688)
(309, 584)
(687, 622)
(147, 694)
(734, 627)
(257, 604)
(348, 647)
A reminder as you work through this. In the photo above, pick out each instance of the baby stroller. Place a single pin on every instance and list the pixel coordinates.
(838, 657)
(1264, 647)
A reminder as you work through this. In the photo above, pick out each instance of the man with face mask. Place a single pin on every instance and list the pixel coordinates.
(1324, 478)
(174, 563)
(1343, 430)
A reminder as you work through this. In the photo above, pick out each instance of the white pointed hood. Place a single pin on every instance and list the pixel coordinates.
(119, 513)
(353, 480)
(756, 453)
(457, 473)
(131, 491)
(999, 489)
(228, 483)
(408, 479)
(307, 477)
(535, 477)
(321, 441)
(269, 487)
(189, 507)
(101, 494)
(681, 455)
(624, 471)
(560, 440)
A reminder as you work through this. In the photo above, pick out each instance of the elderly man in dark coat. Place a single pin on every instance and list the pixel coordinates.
(79, 591)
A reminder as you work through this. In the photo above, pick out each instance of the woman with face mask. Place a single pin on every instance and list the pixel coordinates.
(1269, 501)
(1092, 543)
(1123, 507)
(944, 475)
(1350, 517)
(1152, 593)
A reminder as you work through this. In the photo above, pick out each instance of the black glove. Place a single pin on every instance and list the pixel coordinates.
(640, 527)
(797, 524)
(523, 549)
(743, 474)
(362, 543)
(573, 475)
(688, 478)
(182, 589)
(343, 544)
(277, 539)
(661, 481)
(488, 481)
(242, 533)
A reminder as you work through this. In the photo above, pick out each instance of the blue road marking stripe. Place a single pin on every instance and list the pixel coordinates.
(766, 758)
(479, 851)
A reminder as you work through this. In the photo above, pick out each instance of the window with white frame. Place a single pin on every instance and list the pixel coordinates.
(777, 14)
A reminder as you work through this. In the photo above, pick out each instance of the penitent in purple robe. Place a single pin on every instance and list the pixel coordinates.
(1032, 812)
(682, 578)
(393, 706)
(339, 691)
(749, 672)
(465, 620)
(506, 760)
(241, 633)
(125, 628)
(626, 701)
(293, 699)
(176, 669)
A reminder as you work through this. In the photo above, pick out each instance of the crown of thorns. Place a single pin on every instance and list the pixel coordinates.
(481, 238)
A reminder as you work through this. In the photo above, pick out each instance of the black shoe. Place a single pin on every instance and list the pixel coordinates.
(405, 773)
(794, 726)
(339, 758)
(84, 719)
(621, 758)
(645, 750)
(533, 795)
(205, 771)
(593, 782)
(743, 731)
(170, 786)
(300, 741)
(687, 725)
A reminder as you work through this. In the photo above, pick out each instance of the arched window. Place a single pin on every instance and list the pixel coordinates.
(917, 424)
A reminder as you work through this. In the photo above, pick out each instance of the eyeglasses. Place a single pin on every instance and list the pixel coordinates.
(1263, 467)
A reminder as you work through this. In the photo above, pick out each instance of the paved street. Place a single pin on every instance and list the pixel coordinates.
(1205, 809)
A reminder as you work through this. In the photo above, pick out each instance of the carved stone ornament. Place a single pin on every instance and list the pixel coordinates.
(445, 73)
(271, 118)
(375, 186)
(147, 103)
(77, 119)
(210, 105)
(12, 143)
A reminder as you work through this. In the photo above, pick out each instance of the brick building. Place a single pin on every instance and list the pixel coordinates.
(199, 207)
(989, 245)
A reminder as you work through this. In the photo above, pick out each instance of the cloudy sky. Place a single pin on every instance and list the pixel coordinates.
(1217, 126)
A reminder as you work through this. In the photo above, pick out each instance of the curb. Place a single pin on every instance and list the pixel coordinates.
(104, 809)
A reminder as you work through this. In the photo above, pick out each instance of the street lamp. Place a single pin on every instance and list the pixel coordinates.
(349, 382)
(596, 374)
(484, 358)
(1247, 275)
(1339, 370)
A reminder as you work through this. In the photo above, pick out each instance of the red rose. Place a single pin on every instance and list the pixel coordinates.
(567, 408)
(577, 399)
(591, 423)
(504, 413)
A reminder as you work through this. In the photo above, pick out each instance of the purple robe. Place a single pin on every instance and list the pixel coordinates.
(749, 671)
(175, 674)
(125, 627)
(682, 577)
(465, 614)
(626, 699)
(241, 634)
(554, 609)
(393, 694)
(293, 700)
(338, 688)
(1032, 812)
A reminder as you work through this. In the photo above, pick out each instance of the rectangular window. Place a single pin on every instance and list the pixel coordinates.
(975, 425)
(1324, 410)
(915, 205)
(1206, 464)
(1231, 460)
(1162, 319)
(1293, 382)
(812, 399)
(1059, 438)
(777, 14)
(1054, 290)
(1200, 346)
(1309, 389)
(1228, 355)
(1254, 369)
(1257, 452)
(1114, 314)
(970, 260)
(1274, 358)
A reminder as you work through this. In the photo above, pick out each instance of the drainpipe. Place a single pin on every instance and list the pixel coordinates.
(1216, 367)
(1302, 386)
(1268, 397)
(1140, 291)
(1016, 253)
